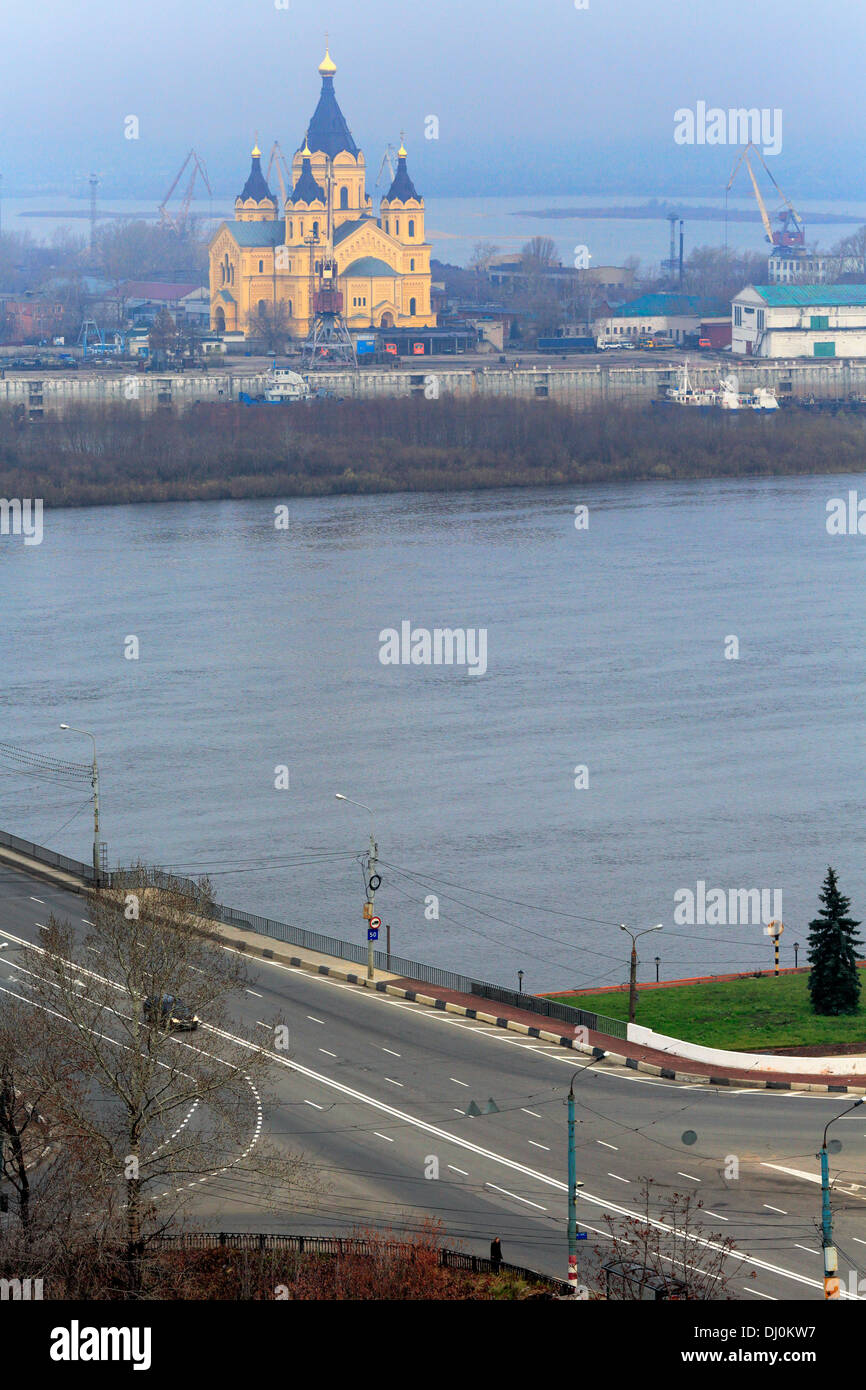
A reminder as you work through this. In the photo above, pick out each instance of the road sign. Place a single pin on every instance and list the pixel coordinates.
(372, 933)
(375, 923)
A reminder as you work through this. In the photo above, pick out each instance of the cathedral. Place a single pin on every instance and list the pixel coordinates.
(272, 263)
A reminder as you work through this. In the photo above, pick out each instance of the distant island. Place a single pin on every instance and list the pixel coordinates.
(688, 211)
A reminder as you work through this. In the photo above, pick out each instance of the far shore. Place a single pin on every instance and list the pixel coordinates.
(91, 456)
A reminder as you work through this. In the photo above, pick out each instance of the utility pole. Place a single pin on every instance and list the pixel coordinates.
(373, 881)
(94, 781)
(832, 1288)
(573, 1185)
(632, 979)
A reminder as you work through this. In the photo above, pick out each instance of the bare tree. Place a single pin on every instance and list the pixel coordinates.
(168, 1105)
(270, 323)
(668, 1248)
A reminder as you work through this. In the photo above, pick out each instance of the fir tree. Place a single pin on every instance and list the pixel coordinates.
(834, 946)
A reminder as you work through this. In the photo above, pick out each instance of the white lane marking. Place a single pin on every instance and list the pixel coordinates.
(425, 1127)
(691, 1176)
(383, 1136)
(197, 969)
(715, 1215)
(538, 1146)
(618, 1178)
(327, 1053)
(781, 1212)
(393, 1082)
(607, 1146)
(392, 1052)
(316, 1020)
(40, 925)
(525, 1200)
(254, 993)
(793, 1172)
(806, 1248)
(534, 1113)
(259, 1024)
(858, 1240)
(314, 1105)
(41, 901)
(458, 1112)
(458, 1170)
(758, 1294)
(459, 1083)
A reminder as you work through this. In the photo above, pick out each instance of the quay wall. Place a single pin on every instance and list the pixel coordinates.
(33, 394)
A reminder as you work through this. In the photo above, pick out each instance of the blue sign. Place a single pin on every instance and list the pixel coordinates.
(581, 1235)
(365, 345)
(372, 933)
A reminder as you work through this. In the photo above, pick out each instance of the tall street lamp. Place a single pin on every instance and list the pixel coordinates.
(94, 779)
(573, 1184)
(373, 879)
(832, 1287)
(632, 985)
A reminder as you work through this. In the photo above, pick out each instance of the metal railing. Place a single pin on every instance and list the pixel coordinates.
(347, 1246)
(413, 970)
(47, 856)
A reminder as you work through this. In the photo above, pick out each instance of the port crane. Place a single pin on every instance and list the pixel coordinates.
(791, 234)
(198, 170)
(280, 164)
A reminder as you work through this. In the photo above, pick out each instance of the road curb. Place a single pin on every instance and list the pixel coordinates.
(245, 947)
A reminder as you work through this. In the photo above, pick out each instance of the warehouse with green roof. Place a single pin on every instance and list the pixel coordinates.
(789, 321)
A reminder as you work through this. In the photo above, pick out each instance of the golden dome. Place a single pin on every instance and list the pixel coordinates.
(401, 153)
(327, 67)
(256, 152)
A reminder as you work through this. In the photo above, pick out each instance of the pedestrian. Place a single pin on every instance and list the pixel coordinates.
(495, 1254)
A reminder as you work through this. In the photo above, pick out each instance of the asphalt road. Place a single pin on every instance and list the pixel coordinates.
(373, 1093)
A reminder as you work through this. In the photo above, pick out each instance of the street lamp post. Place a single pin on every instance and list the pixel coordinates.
(94, 778)
(832, 1287)
(632, 981)
(573, 1184)
(372, 878)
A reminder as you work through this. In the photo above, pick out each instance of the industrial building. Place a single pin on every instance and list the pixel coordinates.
(799, 321)
(677, 316)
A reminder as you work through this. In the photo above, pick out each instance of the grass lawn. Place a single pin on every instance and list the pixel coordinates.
(739, 1014)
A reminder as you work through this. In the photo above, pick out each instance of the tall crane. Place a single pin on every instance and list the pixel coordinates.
(198, 170)
(279, 163)
(387, 158)
(792, 229)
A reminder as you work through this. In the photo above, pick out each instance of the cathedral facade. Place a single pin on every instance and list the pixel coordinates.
(269, 264)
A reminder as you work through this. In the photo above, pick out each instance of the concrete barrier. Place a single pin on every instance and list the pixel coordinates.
(719, 1059)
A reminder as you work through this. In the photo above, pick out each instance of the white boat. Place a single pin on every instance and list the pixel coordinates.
(725, 396)
(283, 386)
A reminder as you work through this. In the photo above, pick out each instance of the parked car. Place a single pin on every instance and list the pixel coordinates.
(167, 1011)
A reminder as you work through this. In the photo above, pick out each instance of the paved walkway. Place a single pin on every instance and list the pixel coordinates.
(635, 1055)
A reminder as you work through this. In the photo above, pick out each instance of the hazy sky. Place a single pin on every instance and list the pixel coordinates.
(530, 97)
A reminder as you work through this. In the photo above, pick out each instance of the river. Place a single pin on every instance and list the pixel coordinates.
(259, 649)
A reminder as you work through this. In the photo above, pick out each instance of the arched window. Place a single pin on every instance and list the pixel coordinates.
(344, 197)
(263, 308)
(412, 263)
(412, 308)
(291, 310)
(261, 266)
(220, 320)
(316, 230)
(388, 225)
(291, 230)
(411, 226)
(396, 226)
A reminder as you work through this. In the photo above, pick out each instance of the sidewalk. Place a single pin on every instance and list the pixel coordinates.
(598, 1046)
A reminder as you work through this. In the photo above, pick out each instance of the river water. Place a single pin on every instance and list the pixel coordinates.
(259, 649)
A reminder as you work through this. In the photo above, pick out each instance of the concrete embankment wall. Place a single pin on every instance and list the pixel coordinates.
(578, 387)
